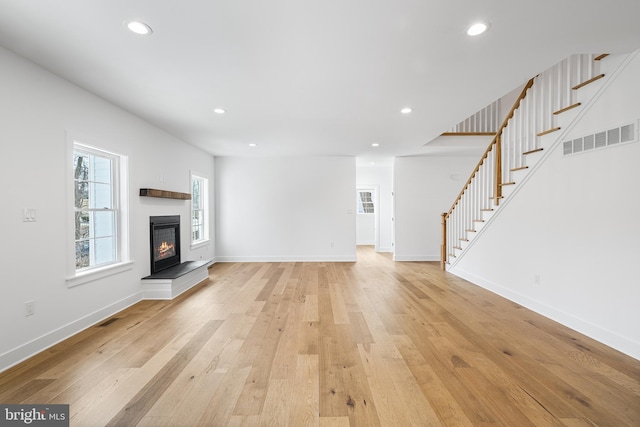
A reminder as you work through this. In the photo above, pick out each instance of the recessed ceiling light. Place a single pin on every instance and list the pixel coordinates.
(406, 110)
(253, 145)
(372, 163)
(477, 29)
(219, 111)
(375, 144)
(139, 27)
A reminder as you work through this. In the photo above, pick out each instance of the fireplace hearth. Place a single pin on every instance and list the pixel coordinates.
(165, 242)
(169, 277)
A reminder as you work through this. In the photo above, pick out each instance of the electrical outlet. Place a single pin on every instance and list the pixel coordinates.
(29, 308)
(29, 215)
(331, 244)
(536, 279)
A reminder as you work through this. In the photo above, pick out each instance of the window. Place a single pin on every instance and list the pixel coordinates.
(199, 209)
(365, 202)
(97, 207)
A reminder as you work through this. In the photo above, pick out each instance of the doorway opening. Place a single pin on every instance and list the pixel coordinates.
(367, 218)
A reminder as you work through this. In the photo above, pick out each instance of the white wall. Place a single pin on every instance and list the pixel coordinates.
(38, 111)
(425, 187)
(381, 178)
(285, 209)
(574, 224)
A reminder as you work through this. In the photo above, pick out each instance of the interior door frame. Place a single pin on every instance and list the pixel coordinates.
(376, 210)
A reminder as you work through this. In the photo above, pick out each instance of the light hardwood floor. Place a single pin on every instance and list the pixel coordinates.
(332, 344)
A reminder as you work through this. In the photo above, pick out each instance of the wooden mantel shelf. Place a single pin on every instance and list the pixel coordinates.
(150, 192)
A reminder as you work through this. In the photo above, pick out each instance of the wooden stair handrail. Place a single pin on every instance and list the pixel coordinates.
(498, 188)
(515, 106)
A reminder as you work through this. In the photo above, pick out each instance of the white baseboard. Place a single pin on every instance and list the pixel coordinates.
(33, 347)
(607, 337)
(341, 258)
(385, 249)
(397, 257)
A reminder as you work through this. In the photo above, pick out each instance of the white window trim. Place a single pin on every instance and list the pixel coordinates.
(205, 202)
(74, 277)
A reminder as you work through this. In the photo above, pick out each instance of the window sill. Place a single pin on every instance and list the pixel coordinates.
(98, 273)
(200, 244)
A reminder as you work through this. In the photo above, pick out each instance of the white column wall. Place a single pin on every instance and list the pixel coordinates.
(425, 187)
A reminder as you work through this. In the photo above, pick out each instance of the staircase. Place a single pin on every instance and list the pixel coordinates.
(548, 103)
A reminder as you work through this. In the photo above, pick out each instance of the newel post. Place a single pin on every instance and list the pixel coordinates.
(497, 188)
(443, 247)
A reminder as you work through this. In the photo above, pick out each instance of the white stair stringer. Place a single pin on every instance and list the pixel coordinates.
(566, 121)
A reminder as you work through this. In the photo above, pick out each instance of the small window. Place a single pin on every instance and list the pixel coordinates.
(199, 209)
(96, 207)
(365, 202)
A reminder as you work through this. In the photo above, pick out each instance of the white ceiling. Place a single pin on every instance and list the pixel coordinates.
(310, 77)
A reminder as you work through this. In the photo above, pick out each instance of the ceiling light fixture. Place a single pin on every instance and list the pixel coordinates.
(219, 111)
(477, 29)
(406, 110)
(253, 145)
(375, 144)
(139, 27)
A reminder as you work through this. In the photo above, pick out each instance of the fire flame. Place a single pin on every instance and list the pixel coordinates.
(165, 249)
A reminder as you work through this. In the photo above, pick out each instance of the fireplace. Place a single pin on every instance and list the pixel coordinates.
(165, 242)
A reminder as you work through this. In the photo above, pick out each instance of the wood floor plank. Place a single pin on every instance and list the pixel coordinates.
(285, 361)
(440, 398)
(189, 410)
(390, 406)
(311, 308)
(338, 307)
(359, 401)
(278, 402)
(219, 410)
(360, 329)
(332, 391)
(416, 406)
(140, 404)
(253, 394)
(305, 409)
(375, 342)
(334, 422)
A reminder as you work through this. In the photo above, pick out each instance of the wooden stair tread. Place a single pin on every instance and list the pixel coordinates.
(520, 168)
(486, 210)
(478, 220)
(562, 110)
(532, 151)
(600, 57)
(583, 84)
(548, 131)
(507, 183)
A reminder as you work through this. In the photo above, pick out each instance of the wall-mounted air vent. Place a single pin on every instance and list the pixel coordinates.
(607, 138)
